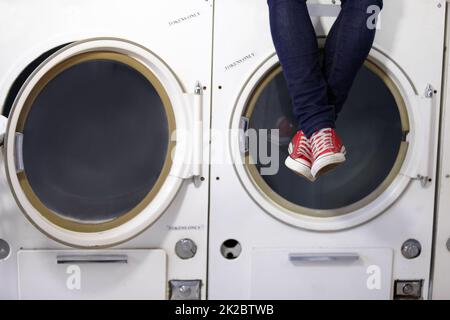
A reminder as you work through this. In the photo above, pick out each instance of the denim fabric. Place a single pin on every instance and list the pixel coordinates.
(318, 91)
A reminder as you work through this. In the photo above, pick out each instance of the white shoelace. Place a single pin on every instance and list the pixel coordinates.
(322, 141)
(304, 148)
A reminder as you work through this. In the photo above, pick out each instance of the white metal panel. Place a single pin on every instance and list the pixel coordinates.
(111, 274)
(180, 33)
(410, 216)
(305, 273)
(441, 259)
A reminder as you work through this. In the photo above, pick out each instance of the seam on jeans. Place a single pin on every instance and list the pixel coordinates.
(336, 24)
(336, 53)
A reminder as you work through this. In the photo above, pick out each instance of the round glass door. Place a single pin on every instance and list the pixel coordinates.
(373, 126)
(93, 141)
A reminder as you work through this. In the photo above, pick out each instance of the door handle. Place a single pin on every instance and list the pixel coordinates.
(107, 258)
(324, 257)
(198, 131)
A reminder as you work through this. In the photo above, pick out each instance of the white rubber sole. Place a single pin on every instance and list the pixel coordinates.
(327, 163)
(299, 168)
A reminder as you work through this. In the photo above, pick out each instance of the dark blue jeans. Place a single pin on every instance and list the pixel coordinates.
(318, 93)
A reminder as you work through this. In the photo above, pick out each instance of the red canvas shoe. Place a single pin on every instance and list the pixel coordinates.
(327, 150)
(300, 156)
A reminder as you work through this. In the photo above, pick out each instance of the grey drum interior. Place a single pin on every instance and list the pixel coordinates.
(373, 126)
(95, 141)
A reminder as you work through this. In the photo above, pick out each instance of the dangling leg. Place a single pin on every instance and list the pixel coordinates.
(347, 47)
(296, 45)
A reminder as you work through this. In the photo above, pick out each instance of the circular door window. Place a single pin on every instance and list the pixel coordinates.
(92, 141)
(373, 125)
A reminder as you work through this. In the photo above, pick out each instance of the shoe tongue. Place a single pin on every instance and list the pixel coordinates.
(325, 130)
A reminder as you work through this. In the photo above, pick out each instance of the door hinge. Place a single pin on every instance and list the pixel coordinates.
(424, 180)
(429, 91)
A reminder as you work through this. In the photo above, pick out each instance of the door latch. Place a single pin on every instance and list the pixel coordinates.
(408, 289)
(185, 289)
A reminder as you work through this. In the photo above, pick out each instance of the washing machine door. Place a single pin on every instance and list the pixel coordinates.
(385, 151)
(90, 142)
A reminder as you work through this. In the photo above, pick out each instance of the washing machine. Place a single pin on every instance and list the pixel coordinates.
(103, 189)
(365, 230)
(441, 261)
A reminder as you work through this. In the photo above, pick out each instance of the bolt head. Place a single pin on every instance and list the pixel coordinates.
(408, 289)
(411, 249)
(185, 248)
(185, 291)
(5, 250)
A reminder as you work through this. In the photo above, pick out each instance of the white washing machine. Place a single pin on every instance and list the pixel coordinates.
(103, 190)
(363, 231)
(441, 261)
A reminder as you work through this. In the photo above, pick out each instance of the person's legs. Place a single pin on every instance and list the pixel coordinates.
(318, 96)
(347, 47)
(296, 45)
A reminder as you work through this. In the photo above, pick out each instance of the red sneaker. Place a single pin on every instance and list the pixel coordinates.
(328, 151)
(300, 156)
